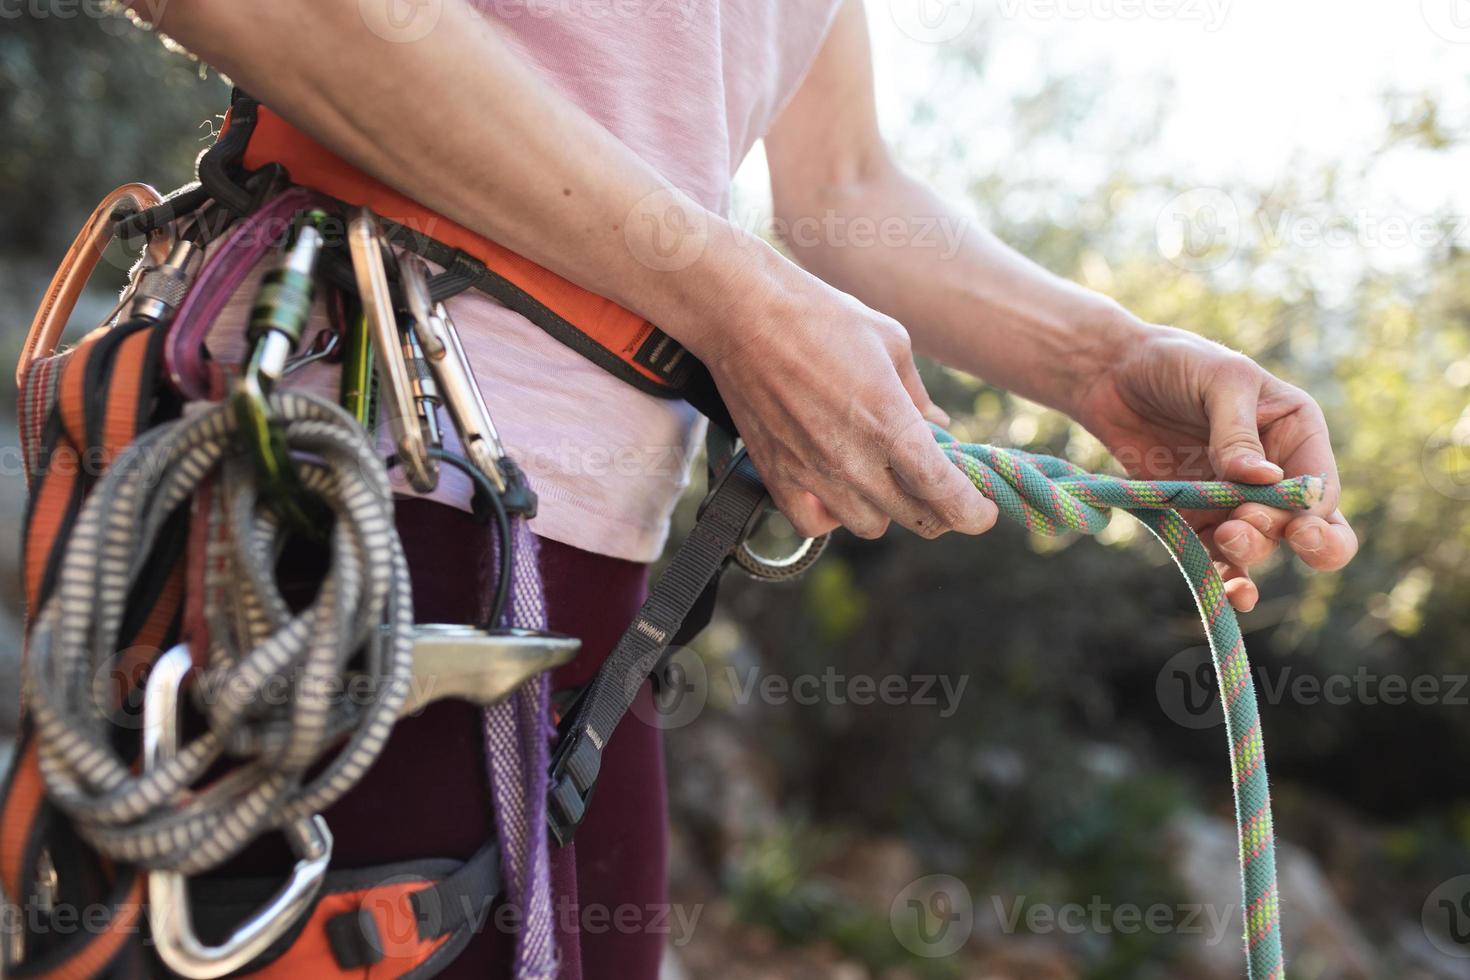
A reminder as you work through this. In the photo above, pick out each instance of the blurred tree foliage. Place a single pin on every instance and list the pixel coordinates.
(1060, 755)
(1061, 762)
(88, 102)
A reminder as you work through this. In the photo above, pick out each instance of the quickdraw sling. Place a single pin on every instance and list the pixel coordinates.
(171, 533)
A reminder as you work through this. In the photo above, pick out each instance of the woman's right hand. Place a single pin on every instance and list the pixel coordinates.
(829, 402)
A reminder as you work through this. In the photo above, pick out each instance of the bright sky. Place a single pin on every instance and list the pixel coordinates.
(1259, 88)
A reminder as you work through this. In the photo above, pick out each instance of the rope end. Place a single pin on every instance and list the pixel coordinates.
(1314, 489)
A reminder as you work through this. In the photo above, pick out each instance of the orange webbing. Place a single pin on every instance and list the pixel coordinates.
(101, 948)
(64, 467)
(311, 954)
(611, 326)
(56, 485)
(22, 802)
(124, 394)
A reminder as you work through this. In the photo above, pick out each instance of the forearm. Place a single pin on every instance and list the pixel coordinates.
(459, 122)
(967, 298)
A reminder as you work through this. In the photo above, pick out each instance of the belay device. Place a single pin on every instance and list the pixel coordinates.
(165, 485)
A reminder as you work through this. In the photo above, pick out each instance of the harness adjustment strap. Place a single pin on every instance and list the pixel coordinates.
(737, 498)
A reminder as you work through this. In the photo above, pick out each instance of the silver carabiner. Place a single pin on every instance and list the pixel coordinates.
(451, 368)
(169, 916)
(779, 569)
(367, 247)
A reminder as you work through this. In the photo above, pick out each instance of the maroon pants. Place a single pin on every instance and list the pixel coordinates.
(427, 795)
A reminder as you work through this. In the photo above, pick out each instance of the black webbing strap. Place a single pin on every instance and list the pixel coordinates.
(462, 899)
(728, 511)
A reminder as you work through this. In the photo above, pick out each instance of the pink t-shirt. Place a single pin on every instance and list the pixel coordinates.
(689, 85)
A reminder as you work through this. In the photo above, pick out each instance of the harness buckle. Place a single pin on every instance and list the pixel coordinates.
(169, 916)
(573, 776)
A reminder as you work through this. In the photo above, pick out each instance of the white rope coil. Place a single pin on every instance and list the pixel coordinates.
(273, 693)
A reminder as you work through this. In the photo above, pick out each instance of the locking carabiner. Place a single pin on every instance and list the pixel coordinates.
(277, 322)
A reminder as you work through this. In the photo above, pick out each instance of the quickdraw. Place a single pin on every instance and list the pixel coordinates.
(202, 477)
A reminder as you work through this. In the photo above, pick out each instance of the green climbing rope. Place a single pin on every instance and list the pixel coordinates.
(1051, 496)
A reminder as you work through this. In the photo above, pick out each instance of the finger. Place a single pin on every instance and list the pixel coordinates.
(1325, 545)
(1239, 589)
(922, 476)
(1270, 522)
(1242, 544)
(1301, 441)
(908, 373)
(807, 514)
(852, 509)
(1235, 440)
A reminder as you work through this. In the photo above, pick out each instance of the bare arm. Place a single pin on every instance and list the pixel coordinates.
(1156, 396)
(968, 299)
(455, 119)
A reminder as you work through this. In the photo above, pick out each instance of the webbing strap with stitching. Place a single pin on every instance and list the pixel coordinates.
(722, 524)
(616, 339)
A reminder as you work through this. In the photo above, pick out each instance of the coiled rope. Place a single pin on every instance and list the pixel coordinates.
(271, 691)
(1051, 496)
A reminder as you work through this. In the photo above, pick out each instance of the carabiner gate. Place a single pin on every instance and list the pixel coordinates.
(169, 917)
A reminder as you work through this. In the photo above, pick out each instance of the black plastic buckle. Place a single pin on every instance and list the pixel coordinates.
(574, 769)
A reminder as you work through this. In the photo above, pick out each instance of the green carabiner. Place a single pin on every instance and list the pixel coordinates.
(277, 322)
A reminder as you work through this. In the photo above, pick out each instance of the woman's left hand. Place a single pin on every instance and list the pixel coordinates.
(1173, 405)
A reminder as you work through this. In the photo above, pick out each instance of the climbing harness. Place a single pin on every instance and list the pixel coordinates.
(166, 487)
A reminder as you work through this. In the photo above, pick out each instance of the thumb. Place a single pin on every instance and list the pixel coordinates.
(1235, 441)
(908, 374)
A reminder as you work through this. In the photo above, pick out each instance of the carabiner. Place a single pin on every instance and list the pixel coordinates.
(277, 321)
(169, 917)
(370, 266)
(451, 367)
(79, 264)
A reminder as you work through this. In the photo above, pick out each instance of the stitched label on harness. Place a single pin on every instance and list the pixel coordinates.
(664, 356)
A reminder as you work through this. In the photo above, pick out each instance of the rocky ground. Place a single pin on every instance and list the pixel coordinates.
(723, 803)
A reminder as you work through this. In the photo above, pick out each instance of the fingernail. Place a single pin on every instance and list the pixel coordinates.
(938, 416)
(1262, 462)
(1307, 539)
(1261, 522)
(1234, 546)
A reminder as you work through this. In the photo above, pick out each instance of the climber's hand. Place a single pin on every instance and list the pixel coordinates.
(1176, 406)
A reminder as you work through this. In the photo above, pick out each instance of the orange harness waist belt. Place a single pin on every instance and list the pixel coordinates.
(615, 338)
